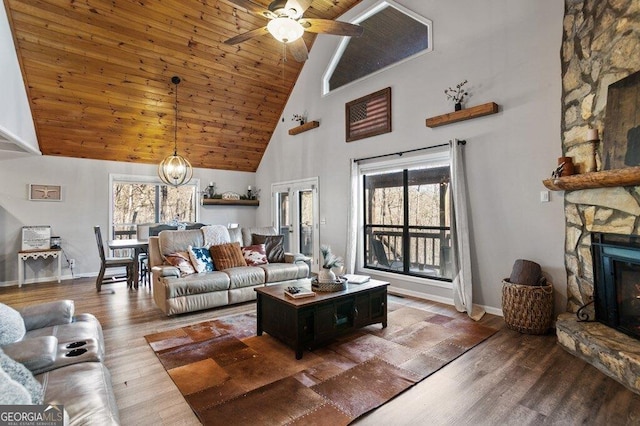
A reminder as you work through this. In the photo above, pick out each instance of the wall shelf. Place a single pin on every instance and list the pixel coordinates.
(628, 176)
(463, 114)
(221, 202)
(304, 127)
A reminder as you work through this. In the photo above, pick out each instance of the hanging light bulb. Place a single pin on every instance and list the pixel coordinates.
(285, 30)
(175, 170)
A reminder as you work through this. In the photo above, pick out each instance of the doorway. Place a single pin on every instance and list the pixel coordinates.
(295, 215)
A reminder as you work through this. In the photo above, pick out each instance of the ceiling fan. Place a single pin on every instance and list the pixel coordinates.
(287, 25)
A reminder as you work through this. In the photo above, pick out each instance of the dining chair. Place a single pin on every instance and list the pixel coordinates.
(155, 230)
(112, 262)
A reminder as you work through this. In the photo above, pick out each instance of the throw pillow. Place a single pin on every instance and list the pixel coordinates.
(273, 245)
(181, 261)
(12, 392)
(11, 325)
(22, 375)
(227, 256)
(201, 259)
(255, 255)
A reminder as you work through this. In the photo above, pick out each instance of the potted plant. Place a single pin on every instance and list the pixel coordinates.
(457, 95)
(300, 118)
(330, 260)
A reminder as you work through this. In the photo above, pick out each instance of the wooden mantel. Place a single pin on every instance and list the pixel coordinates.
(629, 176)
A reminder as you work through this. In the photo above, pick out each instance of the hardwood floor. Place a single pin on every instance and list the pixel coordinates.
(510, 379)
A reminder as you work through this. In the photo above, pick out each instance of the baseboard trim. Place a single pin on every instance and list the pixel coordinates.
(446, 300)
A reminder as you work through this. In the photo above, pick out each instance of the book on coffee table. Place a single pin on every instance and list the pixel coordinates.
(298, 292)
(356, 279)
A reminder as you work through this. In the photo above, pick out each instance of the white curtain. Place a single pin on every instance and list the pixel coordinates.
(460, 247)
(352, 221)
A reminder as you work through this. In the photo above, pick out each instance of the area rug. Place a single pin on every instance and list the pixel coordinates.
(228, 375)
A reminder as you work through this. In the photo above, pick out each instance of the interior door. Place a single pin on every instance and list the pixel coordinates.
(295, 213)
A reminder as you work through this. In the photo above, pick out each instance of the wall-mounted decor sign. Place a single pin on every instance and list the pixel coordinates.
(45, 192)
(36, 237)
(369, 115)
(621, 143)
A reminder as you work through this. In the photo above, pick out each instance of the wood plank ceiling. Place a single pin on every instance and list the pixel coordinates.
(98, 76)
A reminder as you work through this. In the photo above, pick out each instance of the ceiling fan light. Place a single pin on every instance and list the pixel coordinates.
(285, 30)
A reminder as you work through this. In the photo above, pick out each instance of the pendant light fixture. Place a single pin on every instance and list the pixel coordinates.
(175, 170)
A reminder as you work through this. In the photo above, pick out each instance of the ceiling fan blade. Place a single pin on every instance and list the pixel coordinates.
(299, 6)
(248, 6)
(246, 36)
(298, 50)
(326, 26)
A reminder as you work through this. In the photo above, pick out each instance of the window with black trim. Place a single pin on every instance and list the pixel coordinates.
(406, 217)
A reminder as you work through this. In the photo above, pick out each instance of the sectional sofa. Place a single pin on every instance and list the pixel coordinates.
(175, 292)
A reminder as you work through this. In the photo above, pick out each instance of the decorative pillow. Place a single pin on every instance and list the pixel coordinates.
(181, 261)
(22, 375)
(273, 245)
(201, 259)
(215, 235)
(11, 325)
(255, 255)
(12, 392)
(227, 256)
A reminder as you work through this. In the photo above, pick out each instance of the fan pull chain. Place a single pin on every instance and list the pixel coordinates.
(284, 58)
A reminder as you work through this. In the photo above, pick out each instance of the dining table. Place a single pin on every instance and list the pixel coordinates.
(138, 247)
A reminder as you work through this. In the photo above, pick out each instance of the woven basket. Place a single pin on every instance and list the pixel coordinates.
(527, 309)
(337, 285)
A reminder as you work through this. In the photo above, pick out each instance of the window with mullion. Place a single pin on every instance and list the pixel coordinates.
(406, 221)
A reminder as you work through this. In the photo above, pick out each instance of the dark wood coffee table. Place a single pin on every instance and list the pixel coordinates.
(311, 321)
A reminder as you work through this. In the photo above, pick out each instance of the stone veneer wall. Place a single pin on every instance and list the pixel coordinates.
(601, 45)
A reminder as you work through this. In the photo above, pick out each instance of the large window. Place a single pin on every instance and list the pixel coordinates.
(139, 199)
(406, 217)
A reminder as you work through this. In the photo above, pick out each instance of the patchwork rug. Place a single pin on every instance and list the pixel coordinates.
(228, 375)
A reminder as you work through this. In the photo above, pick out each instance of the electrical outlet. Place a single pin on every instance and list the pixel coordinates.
(72, 263)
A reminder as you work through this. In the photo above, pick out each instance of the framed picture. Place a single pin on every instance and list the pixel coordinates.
(369, 115)
(45, 192)
(36, 237)
(621, 142)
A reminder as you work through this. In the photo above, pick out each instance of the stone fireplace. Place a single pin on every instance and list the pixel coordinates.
(600, 44)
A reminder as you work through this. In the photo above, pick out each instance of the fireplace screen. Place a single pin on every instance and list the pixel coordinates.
(627, 280)
(617, 282)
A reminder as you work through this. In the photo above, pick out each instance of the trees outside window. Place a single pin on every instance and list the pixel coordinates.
(139, 202)
(406, 221)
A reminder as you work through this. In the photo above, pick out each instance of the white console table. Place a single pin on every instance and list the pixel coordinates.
(25, 255)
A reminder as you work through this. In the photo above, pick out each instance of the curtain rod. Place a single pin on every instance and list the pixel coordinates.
(400, 153)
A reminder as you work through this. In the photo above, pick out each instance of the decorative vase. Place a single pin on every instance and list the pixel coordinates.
(326, 276)
(568, 168)
(457, 106)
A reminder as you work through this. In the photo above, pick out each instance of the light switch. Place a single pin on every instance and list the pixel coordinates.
(544, 196)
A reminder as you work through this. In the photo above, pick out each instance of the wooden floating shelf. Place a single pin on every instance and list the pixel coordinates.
(629, 176)
(221, 202)
(463, 114)
(304, 127)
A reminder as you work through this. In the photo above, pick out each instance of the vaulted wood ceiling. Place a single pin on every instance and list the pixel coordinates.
(98, 76)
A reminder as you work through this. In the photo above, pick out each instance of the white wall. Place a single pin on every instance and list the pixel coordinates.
(85, 203)
(509, 52)
(16, 123)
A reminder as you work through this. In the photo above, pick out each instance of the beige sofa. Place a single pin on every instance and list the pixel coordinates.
(175, 294)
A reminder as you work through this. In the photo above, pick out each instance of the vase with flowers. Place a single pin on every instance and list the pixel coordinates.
(457, 95)
(330, 260)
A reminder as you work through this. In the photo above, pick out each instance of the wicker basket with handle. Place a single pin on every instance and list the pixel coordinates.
(527, 309)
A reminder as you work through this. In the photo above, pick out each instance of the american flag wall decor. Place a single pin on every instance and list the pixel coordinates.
(369, 115)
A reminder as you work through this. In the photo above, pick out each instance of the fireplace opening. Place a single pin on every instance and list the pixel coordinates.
(616, 261)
